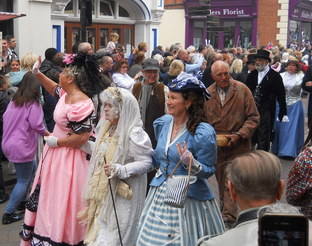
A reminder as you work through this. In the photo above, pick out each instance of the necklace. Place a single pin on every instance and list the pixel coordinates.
(175, 130)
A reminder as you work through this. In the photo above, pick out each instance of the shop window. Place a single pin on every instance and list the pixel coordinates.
(198, 31)
(123, 12)
(245, 34)
(106, 8)
(103, 37)
(229, 34)
(128, 41)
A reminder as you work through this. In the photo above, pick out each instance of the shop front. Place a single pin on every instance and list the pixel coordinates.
(300, 22)
(221, 24)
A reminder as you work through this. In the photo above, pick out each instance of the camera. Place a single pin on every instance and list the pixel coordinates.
(283, 229)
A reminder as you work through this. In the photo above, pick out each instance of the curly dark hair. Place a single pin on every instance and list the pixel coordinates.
(85, 70)
(195, 111)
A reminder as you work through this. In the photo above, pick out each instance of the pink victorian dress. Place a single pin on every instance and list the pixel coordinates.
(62, 174)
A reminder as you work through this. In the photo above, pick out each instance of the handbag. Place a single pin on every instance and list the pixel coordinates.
(177, 188)
(33, 200)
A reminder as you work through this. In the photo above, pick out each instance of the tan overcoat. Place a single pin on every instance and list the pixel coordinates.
(239, 114)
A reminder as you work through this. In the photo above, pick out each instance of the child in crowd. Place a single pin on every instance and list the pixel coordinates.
(22, 122)
(16, 75)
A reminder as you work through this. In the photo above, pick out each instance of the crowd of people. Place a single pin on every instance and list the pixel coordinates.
(115, 150)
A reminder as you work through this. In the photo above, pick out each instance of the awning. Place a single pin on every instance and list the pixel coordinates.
(8, 15)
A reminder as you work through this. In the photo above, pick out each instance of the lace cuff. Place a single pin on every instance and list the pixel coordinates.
(196, 167)
(82, 126)
(26, 233)
(57, 91)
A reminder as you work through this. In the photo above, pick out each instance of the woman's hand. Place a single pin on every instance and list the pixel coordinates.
(107, 169)
(51, 141)
(185, 155)
(35, 69)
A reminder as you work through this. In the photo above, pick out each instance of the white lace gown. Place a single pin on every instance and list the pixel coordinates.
(138, 163)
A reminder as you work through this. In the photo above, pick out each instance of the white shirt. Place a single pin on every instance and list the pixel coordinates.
(263, 73)
(123, 81)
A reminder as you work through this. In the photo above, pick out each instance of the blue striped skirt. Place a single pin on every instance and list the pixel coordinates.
(161, 224)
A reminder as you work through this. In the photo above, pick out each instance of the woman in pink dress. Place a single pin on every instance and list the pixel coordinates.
(63, 168)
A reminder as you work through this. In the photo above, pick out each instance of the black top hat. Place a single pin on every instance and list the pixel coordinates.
(251, 58)
(264, 54)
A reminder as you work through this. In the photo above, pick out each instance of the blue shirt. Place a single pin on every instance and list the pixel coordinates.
(203, 147)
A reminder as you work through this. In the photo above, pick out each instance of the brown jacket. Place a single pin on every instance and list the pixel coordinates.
(239, 114)
(155, 108)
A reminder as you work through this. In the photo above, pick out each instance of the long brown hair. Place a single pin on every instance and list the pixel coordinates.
(28, 91)
(195, 111)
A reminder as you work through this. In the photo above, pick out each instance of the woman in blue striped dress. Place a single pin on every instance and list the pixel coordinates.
(183, 135)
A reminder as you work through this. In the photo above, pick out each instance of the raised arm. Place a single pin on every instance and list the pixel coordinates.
(47, 83)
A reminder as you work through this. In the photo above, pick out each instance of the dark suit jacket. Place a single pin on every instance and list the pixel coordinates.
(308, 77)
(271, 89)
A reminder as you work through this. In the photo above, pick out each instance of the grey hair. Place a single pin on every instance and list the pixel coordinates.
(255, 175)
(104, 60)
(218, 64)
(83, 47)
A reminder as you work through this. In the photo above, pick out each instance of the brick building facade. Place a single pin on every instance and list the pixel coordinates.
(243, 22)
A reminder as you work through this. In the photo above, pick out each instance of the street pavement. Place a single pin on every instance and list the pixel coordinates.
(9, 233)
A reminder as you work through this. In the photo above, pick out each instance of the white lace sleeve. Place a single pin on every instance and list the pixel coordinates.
(140, 153)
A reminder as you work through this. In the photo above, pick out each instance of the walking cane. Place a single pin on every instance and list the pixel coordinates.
(111, 192)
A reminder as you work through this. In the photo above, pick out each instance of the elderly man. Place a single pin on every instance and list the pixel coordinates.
(255, 185)
(267, 87)
(85, 48)
(190, 68)
(106, 66)
(151, 96)
(254, 182)
(233, 113)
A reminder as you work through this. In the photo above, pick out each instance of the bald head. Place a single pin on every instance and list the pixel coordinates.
(85, 48)
(219, 64)
(220, 72)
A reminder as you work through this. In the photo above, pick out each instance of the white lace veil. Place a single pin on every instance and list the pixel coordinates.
(129, 117)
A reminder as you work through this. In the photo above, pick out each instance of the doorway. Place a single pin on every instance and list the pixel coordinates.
(98, 35)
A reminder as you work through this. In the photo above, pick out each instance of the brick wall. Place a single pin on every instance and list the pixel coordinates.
(267, 20)
(174, 4)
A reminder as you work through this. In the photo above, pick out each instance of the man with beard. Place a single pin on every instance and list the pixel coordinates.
(51, 67)
(267, 86)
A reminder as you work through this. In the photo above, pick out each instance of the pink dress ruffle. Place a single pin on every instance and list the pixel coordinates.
(63, 176)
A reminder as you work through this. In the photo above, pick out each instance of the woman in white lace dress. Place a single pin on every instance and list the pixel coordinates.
(120, 159)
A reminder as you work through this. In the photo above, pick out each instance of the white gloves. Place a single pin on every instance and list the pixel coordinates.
(36, 66)
(118, 170)
(88, 147)
(51, 141)
(187, 158)
(285, 118)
